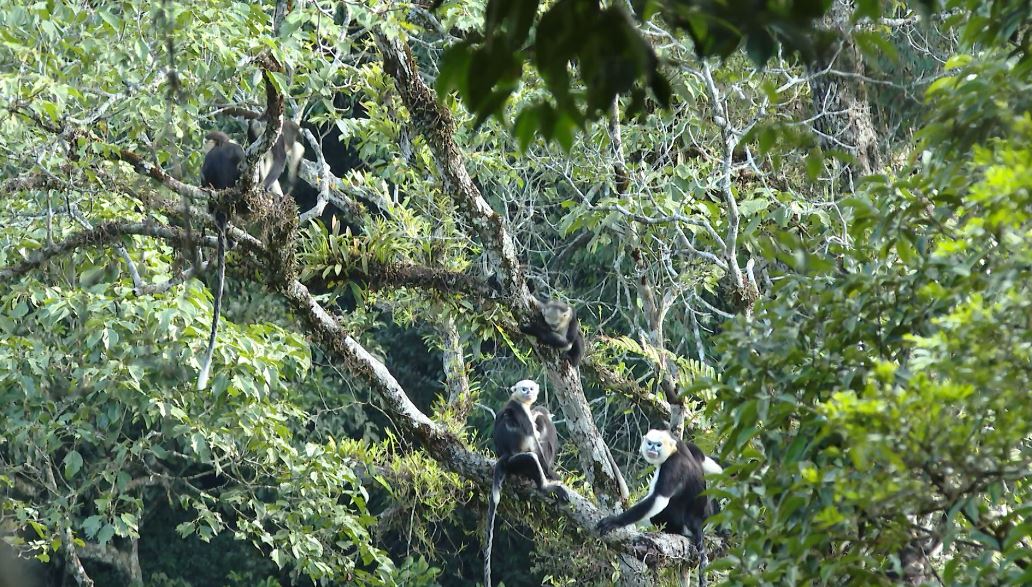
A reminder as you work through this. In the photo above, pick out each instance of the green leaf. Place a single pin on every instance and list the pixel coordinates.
(92, 525)
(106, 534)
(72, 464)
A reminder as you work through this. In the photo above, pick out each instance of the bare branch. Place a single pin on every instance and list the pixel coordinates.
(181, 277)
(731, 138)
(323, 176)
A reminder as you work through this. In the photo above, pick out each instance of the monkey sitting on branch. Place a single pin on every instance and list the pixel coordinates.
(526, 443)
(557, 327)
(675, 502)
(220, 170)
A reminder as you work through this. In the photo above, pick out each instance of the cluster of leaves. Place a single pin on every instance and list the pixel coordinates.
(603, 41)
(843, 380)
(113, 429)
(101, 424)
(881, 403)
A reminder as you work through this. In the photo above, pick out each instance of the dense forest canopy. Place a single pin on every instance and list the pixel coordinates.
(797, 234)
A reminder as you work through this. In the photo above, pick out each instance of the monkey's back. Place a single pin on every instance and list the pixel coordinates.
(548, 438)
(221, 167)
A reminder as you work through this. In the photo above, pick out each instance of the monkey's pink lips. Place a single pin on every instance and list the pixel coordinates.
(652, 453)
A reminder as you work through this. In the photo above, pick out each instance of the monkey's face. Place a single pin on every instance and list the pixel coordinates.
(657, 446)
(525, 391)
(208, 145)
(557, 316)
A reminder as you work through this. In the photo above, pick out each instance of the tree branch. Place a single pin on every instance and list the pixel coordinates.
(435, 123)
(654, 407)
(101, 235)
(393, 275)
(125, 562)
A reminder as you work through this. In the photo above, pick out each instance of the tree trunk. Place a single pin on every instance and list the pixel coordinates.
(840, 103)
(596, 461)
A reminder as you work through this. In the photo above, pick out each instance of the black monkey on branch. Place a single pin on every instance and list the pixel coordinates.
(221, 170)
(675, 501)
(526, 442)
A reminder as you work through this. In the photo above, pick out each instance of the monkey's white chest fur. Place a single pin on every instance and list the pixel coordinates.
(528, 443)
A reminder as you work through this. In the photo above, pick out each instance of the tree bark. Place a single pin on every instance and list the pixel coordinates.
(456, 378)
(655, 549)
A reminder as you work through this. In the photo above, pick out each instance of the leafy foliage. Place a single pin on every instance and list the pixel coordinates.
(857, 350)
(880, 400)
(614, 58)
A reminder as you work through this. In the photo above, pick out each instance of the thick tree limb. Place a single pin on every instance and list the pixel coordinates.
(29, 181)
(456, 373)
(435, 124)
(127, 563)
(72, 563)
(392, 275)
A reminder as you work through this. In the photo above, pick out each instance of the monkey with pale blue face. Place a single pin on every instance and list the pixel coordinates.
(526, 443)
(675, 502)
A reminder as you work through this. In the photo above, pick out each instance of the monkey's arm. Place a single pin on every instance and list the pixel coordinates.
(545, 335)
(547, 440)
(533, 327)
(278, 164)
(554, 339)
(646, 508)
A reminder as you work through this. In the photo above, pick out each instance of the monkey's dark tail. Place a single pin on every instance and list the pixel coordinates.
(202, 379)
(492, 507)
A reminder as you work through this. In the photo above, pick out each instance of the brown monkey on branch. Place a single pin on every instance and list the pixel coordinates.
(556, 326)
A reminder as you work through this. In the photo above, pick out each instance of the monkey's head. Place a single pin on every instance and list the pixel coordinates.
(657, 446)
(215, 139)
(525, 392)
(557, 314)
